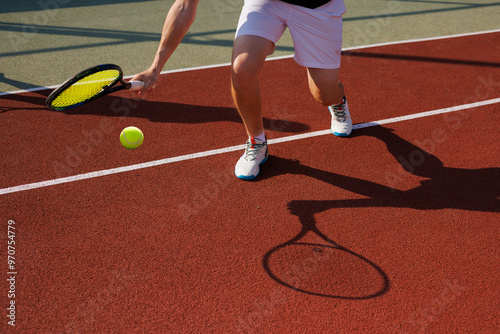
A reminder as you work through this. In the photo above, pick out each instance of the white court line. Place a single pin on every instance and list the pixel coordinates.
(166, 161)
(284, 57)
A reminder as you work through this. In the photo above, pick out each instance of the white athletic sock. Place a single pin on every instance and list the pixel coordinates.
(261, 137)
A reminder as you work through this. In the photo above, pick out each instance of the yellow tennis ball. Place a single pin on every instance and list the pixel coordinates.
(131, 137)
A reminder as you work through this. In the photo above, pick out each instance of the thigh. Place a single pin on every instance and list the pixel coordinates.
(249, 55)
(261, 18)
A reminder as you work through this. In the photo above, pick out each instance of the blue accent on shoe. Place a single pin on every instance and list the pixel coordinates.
(265, 158)
(340, 134)
(246, 178)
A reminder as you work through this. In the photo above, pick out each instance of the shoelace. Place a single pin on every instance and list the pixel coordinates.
(339, 112)
(252, 150)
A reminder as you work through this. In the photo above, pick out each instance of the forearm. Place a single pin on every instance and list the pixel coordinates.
(179, 19)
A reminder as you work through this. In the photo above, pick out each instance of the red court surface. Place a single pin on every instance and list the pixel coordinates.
(392, 230)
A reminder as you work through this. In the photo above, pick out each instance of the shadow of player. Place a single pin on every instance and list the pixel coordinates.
(444, 188)
(360, 278)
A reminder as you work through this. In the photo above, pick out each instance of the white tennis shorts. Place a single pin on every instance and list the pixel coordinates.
(316, 33)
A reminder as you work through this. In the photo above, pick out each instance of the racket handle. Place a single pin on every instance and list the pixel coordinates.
(136, 85)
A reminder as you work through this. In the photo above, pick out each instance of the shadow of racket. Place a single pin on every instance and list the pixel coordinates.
(321, 267)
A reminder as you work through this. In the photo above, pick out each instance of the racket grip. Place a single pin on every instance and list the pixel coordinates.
(136, 85)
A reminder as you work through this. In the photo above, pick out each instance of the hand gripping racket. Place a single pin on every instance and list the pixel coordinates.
(89, 85)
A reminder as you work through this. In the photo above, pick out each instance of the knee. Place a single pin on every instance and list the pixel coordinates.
(322, 98)
(328, 97)
(243, 72)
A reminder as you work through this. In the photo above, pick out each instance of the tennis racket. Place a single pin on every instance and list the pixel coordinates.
(89, 85)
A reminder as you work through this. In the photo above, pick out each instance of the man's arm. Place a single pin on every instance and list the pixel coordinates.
(177, 23)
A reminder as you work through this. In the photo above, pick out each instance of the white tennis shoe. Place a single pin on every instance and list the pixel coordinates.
(248, 166)
(341, 119)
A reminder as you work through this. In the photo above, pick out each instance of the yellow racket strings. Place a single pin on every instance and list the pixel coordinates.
(85, 88)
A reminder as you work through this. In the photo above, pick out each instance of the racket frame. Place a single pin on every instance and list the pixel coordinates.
(108, 89)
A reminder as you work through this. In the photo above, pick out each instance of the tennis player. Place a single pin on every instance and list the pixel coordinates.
(316, 30)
